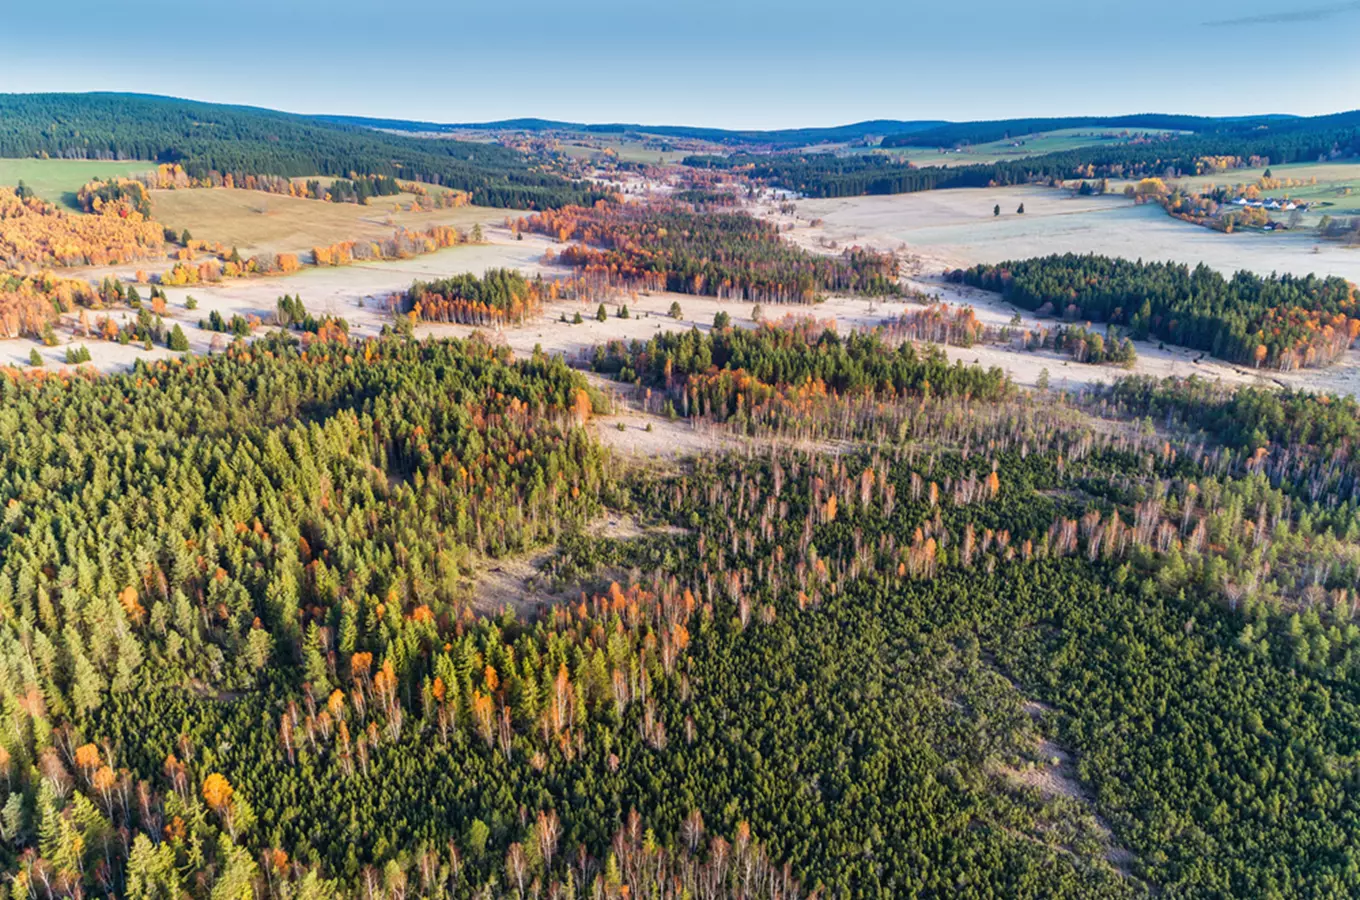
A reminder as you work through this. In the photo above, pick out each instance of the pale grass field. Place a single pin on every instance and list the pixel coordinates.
(255, 221)
(949, 229)
(627, 151)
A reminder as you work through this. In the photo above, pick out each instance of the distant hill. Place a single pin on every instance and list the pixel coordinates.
(964, 133)
(789, 137)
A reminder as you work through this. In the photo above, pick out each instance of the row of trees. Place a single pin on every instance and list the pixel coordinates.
(731, 372)
(172, 176)
(959, 325)
(403, 244)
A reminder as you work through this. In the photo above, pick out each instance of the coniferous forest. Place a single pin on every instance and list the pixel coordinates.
(1280, 321)
(996, 644)
(352, 609)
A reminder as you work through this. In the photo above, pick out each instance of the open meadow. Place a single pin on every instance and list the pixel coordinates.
(57, 180)
(358, 293)
(954, 228)
(255, 221)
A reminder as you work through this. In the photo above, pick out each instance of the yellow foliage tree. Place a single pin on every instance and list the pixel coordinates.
(217, 791)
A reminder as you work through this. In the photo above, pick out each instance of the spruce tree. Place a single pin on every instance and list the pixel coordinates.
(178, 342)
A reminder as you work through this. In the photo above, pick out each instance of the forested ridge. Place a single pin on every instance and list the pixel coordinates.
(1280, 321)
(848, 175)
(206, 137)
(782, 136)
(963, 133)
(239, 653)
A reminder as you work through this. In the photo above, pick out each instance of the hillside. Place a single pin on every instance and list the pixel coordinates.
(961, 133)
(248, 140)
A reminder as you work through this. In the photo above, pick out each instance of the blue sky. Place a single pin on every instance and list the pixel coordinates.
(728, 63)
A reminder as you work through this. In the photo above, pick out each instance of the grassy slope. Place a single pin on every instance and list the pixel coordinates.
(58, 180)
(255, 221)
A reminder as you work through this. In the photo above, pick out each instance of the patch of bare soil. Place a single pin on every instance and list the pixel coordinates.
(1065, 494)
(513, 581)
(655, 437)
(519, 581)
(1053, 774)
(626, 527)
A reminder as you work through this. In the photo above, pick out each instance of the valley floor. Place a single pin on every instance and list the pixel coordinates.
(933, 231)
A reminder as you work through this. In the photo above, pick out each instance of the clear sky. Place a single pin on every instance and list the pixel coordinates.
(727, 63)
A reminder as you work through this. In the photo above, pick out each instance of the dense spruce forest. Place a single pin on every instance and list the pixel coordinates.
(718, 375)
(206, 137)
(954, 641)
(1279, 321)
(729, 255)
